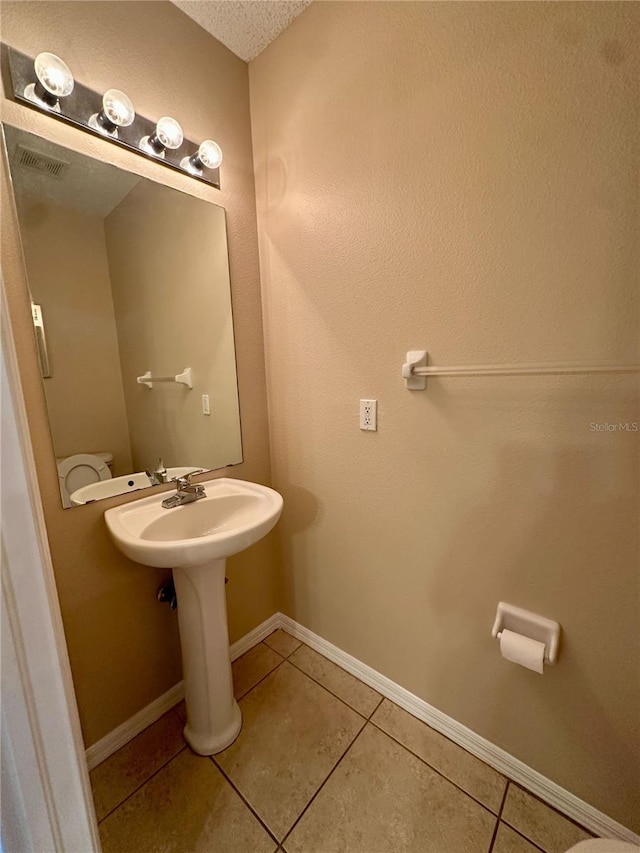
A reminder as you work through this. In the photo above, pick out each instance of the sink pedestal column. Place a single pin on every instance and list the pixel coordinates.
(214, 719)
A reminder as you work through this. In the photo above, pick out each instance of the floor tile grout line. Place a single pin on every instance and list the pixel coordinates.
(155, 773)
(319, 683)
(508, 780)
(355, 678)
(419, 757)
(504, 799)
(242, 696)
(524, 837)
(370, 719)
(376, 708)
(518, 831)
(499, 815)
(302, 672)
(410, 751)
(449, 739)
(313, 798)
(253, 648)
(553, 809)
(280, 848)
(245, 801)
(266, 675)
(335, 695)
(435, 769)
(293, 651)
(494, 835)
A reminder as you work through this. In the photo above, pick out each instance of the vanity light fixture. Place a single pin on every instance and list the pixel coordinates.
(111, 115)
(208, 155)
(168, 134)
(54, 80)
(117, 111)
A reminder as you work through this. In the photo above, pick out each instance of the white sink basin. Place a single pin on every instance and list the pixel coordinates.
(232, 516)
(121, 485)
(194, 540)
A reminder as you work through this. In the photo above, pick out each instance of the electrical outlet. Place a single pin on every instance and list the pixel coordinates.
(369, 414)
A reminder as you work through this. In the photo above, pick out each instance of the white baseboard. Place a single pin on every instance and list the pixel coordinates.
(567, 803)
(256, 636)
(125, 732)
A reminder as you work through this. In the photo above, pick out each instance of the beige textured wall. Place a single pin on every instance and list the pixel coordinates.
(123, 645)
(170, 277)
(461, 177)
(68, 273)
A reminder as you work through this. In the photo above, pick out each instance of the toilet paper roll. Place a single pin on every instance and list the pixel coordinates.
(522, 650)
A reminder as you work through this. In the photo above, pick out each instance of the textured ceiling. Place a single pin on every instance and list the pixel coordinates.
(245, 26)
(109, 185)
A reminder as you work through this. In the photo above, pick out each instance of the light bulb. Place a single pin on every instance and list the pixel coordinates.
(168, 134)
(117, 111)
(208, 155)
(118, 108)
(54, 74)
(54, 81)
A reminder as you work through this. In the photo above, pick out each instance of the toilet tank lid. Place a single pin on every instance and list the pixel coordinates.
(106, 457)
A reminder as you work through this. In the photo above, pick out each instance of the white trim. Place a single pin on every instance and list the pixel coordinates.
(126, 731)
(256, 636)
(561, 799)
(46, 781)
(106, 746)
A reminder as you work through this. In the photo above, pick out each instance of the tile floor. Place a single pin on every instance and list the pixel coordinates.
(323, 764)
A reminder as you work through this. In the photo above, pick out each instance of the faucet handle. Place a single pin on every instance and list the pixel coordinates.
(185, 481)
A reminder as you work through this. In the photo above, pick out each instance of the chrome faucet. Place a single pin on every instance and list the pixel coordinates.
(186, 494)
(159, 474)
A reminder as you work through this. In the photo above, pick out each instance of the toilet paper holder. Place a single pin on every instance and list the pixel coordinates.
(529, 625)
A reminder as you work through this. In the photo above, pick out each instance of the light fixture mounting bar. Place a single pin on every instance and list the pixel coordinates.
(82, 103)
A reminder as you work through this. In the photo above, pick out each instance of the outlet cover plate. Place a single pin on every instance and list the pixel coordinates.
(369, 415)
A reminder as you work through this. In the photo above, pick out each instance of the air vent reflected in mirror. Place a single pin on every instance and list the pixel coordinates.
(41, 162)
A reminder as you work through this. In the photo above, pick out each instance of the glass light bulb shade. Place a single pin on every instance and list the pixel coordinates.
(118, 108)
(53, 74)
(169, 132)
(210, 154)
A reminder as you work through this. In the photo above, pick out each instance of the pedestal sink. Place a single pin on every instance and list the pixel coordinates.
(194, 540)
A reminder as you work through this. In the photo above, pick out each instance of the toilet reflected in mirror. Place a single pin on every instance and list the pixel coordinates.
(80, 470)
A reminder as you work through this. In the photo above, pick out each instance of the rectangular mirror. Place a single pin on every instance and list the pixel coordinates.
(129, 287)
